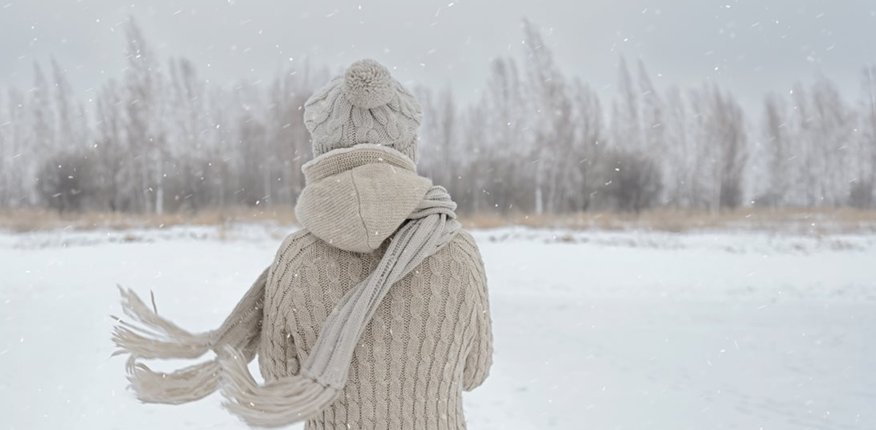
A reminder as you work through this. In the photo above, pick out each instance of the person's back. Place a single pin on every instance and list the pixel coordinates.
(428, 340)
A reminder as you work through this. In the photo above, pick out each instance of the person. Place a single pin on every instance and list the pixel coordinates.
(374, 316)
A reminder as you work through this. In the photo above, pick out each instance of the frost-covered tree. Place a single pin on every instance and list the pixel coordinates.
(777, 152)
(110, 147)
(863, 186)
(552, 127)
(7, 152)
(145, 120)
(680, 156)
(833, 124)
(69, 127)
(583, 181)
(626, 128)
(20, 156)
(440, 134)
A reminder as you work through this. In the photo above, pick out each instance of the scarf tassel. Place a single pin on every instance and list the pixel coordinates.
(182, 386)
(154, 336)
(157, 338)
(275, 404)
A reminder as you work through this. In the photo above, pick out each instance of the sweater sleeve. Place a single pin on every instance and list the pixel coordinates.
(480, 356)
(278, 355)
(242, 328)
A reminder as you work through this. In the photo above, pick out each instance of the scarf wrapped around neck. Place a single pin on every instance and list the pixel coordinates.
(429, 226)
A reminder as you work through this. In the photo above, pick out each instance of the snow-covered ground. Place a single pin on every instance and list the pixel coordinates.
(594, 330)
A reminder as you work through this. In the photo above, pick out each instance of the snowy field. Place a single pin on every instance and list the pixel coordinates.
(594, 330)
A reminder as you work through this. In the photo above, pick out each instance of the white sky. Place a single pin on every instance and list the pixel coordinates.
(747, 46)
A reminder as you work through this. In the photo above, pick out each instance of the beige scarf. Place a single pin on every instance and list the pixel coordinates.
(431, 225)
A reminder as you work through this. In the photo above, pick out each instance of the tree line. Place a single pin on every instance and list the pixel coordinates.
(162, 139)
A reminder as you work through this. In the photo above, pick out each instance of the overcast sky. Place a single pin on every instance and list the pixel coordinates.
(748, 46)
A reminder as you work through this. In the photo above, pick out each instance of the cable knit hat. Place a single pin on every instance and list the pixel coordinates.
(364, 105)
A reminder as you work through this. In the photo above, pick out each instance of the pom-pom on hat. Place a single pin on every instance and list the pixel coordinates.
(363, 105)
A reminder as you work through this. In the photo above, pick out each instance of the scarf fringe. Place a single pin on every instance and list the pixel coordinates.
(182, 386)
(278, 403)
(155, 337)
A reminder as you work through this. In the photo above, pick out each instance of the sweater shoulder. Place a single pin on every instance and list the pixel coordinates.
(466, 241)
(294, 246)
(464, 249)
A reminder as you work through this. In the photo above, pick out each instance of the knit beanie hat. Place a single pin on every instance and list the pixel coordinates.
(364, 105)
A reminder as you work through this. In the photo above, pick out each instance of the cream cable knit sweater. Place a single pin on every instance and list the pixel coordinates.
(429, 339)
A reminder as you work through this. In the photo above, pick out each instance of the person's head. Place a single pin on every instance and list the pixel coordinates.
(363, 105)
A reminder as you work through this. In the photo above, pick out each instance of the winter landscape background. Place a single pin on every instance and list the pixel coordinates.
(675, 200)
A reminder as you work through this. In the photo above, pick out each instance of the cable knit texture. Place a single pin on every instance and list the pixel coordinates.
(363, 105)
(429, 340)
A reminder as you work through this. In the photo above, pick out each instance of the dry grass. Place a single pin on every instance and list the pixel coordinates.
(797, 220)
(804, 221)
(33, 220)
